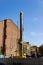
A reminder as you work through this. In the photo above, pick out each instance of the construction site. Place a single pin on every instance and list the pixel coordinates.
(11, 42)
(13, 49)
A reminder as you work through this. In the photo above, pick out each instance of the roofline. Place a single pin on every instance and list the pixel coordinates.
(10, 20)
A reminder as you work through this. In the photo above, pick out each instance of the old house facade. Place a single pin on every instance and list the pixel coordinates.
(26, 48)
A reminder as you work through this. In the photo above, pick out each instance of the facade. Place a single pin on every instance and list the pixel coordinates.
(9, 36)
(9, 40)
(34, 50)
(26, 48)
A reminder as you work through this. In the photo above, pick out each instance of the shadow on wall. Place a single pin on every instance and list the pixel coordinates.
(4, 38)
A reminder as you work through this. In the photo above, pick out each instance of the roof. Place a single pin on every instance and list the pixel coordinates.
(10, 21)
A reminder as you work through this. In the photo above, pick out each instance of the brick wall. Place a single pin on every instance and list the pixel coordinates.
(12, 33)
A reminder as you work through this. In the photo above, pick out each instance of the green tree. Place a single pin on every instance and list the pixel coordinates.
(1, 51)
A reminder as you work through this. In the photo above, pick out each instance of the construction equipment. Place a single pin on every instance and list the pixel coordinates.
(20, 42)
(21, 32)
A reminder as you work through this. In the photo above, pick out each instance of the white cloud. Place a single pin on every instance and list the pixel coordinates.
(36, 34)
(33, 33)
(35, 19)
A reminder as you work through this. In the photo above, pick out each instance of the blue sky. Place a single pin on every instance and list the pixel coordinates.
(32, 17)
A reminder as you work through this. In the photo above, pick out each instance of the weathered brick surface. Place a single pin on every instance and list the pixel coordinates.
(1, 32)
(11, 37)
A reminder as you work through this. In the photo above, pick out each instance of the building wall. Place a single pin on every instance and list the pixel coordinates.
(26, 48)
(1, 33)
(12, 34)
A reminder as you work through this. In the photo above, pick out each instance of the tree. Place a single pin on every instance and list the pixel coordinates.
(1, 51)
(41, 50)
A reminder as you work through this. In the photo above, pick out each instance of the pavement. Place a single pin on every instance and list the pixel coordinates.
(19, 61)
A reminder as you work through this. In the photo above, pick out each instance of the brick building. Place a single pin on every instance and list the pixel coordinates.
(9, 35)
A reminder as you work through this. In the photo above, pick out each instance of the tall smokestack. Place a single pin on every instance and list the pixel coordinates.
(20, 26)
